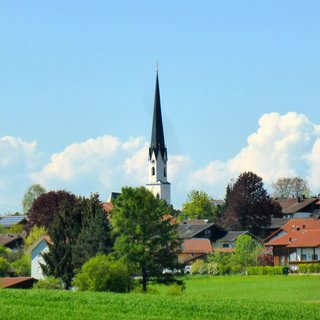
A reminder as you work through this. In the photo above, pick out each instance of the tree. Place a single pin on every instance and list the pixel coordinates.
(46, 207)
(248, 205)
(95, 234)
(102, 273)
(79, 231)
(247, 251)
(32, 193)
(34, 234)
(290, 187)
(22, 266)
(198, 206)
(4, 267)
(146, 236)
(63, 232)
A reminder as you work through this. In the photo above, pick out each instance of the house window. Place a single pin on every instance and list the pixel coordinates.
(153, 171)
(314, 257)
(303, 257)
(225, 245)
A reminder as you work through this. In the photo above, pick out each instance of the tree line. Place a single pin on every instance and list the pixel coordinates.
(137, 237)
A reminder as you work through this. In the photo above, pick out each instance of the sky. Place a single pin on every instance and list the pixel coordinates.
(239, 84)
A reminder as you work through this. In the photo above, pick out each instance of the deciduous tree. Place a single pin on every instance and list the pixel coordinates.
(247, 251)
(290, 187)
(248, 205)
(146, 237)
(198, 206)
(32, 193)
(47, 206)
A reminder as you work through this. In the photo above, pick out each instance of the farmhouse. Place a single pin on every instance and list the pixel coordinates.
(296, 242)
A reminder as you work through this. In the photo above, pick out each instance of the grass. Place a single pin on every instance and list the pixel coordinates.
(234, 297)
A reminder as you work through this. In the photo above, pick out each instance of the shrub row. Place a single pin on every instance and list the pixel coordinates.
(309, 268)
(214, 268)
(267, 270)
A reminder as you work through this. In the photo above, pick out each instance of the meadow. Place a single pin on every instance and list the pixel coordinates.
(228, 297)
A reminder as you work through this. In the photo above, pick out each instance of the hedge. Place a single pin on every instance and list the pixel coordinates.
(267, 270)
(309, 268)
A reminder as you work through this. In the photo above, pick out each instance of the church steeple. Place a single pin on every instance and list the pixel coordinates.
(157, 137)
(158, 183)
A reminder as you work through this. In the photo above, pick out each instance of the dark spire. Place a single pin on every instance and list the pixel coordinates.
(157, 136)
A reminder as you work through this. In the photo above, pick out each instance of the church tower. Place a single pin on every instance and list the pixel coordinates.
(158, 183)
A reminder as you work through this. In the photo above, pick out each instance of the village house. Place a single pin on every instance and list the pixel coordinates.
(228, 242)
(193, 249)
(39, 247)
(299, 207)
(296, 242)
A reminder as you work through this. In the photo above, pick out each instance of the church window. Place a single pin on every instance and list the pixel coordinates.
(164, 172)
(153, 171)
(158, 196)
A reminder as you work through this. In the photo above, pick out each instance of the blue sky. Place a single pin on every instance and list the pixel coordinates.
(77, 84)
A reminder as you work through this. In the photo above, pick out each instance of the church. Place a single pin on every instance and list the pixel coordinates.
(158, 183)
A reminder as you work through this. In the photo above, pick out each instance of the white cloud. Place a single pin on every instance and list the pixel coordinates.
(17, 159)
(283, 145)
(101, 165)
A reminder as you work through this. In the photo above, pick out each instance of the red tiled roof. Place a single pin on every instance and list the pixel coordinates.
(17, 282)
(307, 238)
(302, 224)
(196, 246)
(297, 233)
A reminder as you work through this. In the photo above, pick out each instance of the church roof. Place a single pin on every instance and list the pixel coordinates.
(157, 136)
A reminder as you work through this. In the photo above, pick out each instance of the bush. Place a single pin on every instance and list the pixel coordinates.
(199, 267)
(176, 289)
(224, 269)
(4, 252)
(236, 268)
(267, 270)
(49, 283)
(22, 267)
(309, 268)
(101, 273)
(4, 267)
(212, 268)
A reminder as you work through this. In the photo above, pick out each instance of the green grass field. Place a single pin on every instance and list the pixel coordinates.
(234, 297)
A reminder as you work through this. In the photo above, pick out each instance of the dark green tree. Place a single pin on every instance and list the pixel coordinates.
(95, 234)
(248, 205)
(64, 233)
(146, 236)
